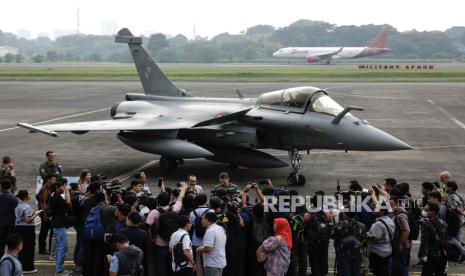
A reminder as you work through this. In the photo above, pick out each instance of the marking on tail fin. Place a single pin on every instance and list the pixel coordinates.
(153, 80)
(379, 41)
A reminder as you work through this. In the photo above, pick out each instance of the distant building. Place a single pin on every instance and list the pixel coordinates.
(109, 27)
(4, 50)
(23, 34)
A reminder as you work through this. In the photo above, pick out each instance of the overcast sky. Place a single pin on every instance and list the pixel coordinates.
(212, 17)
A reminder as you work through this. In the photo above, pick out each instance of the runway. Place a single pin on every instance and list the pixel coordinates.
(428, 116)
(281, 63)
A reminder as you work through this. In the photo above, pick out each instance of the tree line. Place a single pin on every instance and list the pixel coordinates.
(256, 44)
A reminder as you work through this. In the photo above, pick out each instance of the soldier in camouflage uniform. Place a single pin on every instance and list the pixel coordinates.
(51, 167)
(7, 171)
(349, 237)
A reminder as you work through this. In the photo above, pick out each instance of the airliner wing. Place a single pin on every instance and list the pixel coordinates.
(329, 55)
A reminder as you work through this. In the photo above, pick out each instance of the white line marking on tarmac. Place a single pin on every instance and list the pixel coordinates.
(455, 120)
(369, 97)
(441, 147)
(129, 174)
(60, 118)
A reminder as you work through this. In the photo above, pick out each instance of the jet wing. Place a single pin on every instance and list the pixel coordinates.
(130, 124)
(160, 122)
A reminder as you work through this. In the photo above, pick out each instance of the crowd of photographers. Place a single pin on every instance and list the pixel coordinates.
(182, 230)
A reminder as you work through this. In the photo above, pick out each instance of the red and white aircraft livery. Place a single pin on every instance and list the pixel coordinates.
(326, 54)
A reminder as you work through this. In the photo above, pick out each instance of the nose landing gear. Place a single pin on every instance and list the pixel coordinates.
(295, 179)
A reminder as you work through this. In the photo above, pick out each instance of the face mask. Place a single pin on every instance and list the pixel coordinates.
(424, 214)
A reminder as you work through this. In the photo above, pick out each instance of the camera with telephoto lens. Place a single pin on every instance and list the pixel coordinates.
(227, 194)
(112, 187)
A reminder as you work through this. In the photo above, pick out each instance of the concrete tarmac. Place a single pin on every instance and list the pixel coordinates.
(427, 116)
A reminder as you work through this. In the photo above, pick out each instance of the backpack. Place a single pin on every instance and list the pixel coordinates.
(12, 262)
(93, 227)
(347, 238)
(198, 227)
(454, 250)
(179, 258)
(167, 223)
(413, 215)
(440, 235)
(260, 230)
(453, 223)
(128, 267)
(318, 228)
(413, 224)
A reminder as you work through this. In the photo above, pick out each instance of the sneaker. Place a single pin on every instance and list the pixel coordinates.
(51, 257)
(30, 271)
(78, 268)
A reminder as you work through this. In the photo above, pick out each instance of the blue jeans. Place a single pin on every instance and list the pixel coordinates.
(401, 262)
(62, 246)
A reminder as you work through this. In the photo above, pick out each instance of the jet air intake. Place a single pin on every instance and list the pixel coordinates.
(170, 147)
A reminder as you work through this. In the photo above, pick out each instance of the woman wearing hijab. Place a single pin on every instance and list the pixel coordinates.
(278, 248)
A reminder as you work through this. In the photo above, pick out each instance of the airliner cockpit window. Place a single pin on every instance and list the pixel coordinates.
(325, 104)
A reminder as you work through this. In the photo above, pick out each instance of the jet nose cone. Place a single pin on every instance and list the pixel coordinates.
(386, 50)
(275, 54)
(386, 142)
(372, 139)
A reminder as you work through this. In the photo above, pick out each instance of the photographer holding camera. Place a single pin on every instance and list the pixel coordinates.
(223, 179)
(245, 199)
(59, 208)
(192, 182)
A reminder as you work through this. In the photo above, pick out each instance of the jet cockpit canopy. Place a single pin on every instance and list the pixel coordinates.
(300, 99)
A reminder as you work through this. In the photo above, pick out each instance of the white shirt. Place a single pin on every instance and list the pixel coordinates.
(198, 189)
(381, 247)
(215, 237)
(186, 244)
(146, 189)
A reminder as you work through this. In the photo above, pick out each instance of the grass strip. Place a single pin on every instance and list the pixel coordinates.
(236, 73)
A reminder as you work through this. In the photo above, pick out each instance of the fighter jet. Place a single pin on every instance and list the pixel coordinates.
(169, 122)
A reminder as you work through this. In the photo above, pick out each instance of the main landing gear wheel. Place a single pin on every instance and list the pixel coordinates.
(295, 179)
(168, 164)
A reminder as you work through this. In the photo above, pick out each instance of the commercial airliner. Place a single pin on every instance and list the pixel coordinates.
(326, 54)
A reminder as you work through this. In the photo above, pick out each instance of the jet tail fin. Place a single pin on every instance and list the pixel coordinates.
(379, 41)
(152, 78)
